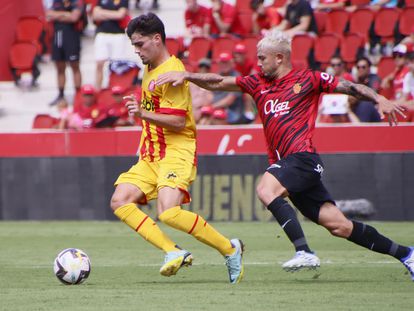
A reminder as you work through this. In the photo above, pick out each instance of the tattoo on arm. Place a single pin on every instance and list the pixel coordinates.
(357, 90)
(209, 81)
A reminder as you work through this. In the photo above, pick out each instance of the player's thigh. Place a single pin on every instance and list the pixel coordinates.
(126, 193)
(102, 41)
(270, 188)
(143, 176)
(117, 48)
(175, 174)
(310, 201)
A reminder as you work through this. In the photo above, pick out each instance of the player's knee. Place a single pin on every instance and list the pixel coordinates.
(262, 192)
(341, 229)
(117, 201)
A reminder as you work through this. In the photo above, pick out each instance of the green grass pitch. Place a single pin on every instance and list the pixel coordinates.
(125, 273)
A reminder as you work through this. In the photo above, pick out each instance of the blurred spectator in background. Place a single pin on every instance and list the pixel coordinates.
(377, 4)
(407, 94)
(87, 108)
(338, 69)
(115, 114)
(232, 102)
(201, 97)
(243, 64)
(365, 110)
(327, 5)
(111, 19)
(67, 118)
(409, 39)
(335, 108)
(154, 6)
(299, 18)
(264, 17)
(394, 81)
(65, 15)
(364, 74)
(223, 19)
(196, 19)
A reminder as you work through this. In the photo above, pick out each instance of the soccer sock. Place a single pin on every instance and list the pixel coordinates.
(61, 92)
(368, 237)
(195, 225)
(145, 226)
(287, 219)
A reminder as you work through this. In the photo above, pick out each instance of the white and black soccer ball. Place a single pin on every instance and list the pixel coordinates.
(72, 266)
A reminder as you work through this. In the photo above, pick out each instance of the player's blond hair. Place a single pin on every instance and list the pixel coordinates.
(277, 41)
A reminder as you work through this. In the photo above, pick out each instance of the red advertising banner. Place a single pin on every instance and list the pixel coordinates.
(223, 140)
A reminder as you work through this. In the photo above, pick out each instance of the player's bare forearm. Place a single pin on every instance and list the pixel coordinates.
(171, 122)
(209, 81)
(359, 91)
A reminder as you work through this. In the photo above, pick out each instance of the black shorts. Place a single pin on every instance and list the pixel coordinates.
(66, 45)
(300, 173)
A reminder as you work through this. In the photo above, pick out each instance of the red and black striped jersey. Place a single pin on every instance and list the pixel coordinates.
(288, 108)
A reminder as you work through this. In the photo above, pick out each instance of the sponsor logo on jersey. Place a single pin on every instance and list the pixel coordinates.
(296, 88)
(276, 108)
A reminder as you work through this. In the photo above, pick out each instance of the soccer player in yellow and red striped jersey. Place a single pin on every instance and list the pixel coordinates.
(167, 163)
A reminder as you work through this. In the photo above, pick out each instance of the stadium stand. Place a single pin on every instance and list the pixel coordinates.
(360, 22)
(337, 21)
(44, 121)
(23, 58)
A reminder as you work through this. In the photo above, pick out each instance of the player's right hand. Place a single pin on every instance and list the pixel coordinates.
(134, 108)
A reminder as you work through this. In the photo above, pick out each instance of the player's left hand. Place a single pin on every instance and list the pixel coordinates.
(174, 77)
(134, 108)
(390, 108)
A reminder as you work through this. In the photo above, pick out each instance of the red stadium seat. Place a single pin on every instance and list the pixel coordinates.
(386, 65)
(320, 18)
(326, 46)
(222, 44)
(126, 79)
(31, 29)
(246, 20)
(406, 24)
(173, 46)
(22, 59)
(251, 43)
(302, 44)
(199, 48)
(336, 21)
(44, 121)
(360, 22)
(351, 46)
(384, 23)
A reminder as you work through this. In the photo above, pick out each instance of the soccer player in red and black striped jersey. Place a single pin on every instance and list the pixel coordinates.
(287, 102)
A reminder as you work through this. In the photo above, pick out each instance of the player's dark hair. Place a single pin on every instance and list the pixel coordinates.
(254, 4)
(365, 59)
(146, 24)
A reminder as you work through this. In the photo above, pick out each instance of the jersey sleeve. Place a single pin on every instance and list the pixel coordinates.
(247, 84)
(325, 82)
(175, 99)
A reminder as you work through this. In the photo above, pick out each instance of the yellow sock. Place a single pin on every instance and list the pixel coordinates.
(195, 225)
(145, 226)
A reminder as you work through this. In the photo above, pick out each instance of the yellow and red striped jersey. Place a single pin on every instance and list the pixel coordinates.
(158, 142)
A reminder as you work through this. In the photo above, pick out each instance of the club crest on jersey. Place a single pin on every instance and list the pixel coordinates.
(151, 86)
(296, 88)
(171, 175)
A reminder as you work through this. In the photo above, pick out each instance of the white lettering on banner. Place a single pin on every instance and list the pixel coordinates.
(224, 143)
(276, 108)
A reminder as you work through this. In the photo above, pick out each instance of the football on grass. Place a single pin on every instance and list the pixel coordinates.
(72, 266)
